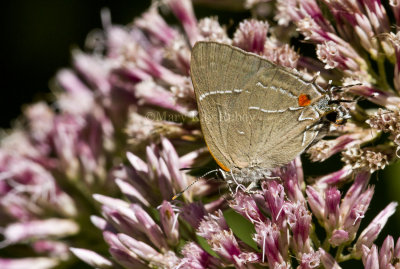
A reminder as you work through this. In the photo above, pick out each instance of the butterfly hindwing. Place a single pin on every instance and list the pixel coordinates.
(250, 109)
(219, 73)
(278, 128)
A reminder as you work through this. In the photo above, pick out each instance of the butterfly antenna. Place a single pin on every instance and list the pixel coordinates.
(340, 89)
(185, 169)
(191, 184)
(185, 189)
(188, 168)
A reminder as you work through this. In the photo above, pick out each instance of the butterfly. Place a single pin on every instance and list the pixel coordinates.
(254, 114)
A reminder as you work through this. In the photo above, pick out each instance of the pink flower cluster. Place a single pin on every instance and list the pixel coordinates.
(111, 150)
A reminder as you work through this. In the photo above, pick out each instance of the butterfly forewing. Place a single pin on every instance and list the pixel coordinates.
(219, 73)
(279, 128)
(249, 108)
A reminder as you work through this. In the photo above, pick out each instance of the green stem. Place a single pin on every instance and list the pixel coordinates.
(314, 238)
(370, 70)
(339, 252)
(343, 258)
(326, 245)
(382, 74)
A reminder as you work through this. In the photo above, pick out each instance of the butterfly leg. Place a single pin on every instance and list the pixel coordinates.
(229, 182)
(252, 186)
(274, 178)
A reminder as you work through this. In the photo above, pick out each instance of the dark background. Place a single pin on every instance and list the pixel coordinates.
(37, 37)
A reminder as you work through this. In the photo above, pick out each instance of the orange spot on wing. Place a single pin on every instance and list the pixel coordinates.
(218, 162)
(304, 100)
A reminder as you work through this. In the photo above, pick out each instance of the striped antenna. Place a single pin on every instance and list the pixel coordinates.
(190, 185)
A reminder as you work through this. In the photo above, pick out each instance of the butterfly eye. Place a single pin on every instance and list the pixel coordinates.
(332, 116)
(335, 117)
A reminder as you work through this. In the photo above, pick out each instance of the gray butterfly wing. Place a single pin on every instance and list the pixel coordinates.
(219, 74)
(276, 129)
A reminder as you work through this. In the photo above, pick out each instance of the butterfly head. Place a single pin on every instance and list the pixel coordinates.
(334, 111)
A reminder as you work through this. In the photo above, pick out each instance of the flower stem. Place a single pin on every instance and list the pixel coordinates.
(339, 252)
(314, 238)
(382, 74)
(326, 244)
(343, 258)
(370, 69)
